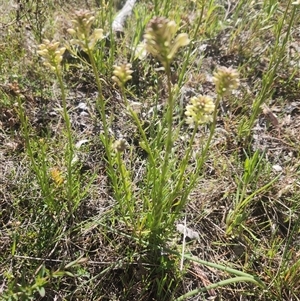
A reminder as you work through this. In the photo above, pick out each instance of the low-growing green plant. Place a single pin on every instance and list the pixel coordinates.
(20, 289)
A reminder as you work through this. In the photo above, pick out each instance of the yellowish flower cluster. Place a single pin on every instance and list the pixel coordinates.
(200, 110)
(56, 176)
(82, 27)
(51, 53)
(122, 74)
(226, 80)
(120, 145)
(159, 36)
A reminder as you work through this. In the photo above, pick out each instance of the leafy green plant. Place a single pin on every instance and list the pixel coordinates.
(150, 214)
(21, 290)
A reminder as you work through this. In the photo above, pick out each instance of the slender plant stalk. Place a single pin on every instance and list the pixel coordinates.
(126, 191)
(70, 146)
(101, 101)
(215, 285)
(276, 59)
(158, 201)
(40, 173)
(211, 132)
(190, 48)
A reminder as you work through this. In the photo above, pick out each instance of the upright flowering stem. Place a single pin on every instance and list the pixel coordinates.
(87, 40)
(161, 41)
(226, 80)
(181, 179)
(122, 74)
(211, 132)
(52, 57)
(199, 111)
(101, 101)
(70, 153)
(169, 140)
(124, 194)
(158, 203)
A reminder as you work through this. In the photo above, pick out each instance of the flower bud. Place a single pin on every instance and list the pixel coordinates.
(226, 80)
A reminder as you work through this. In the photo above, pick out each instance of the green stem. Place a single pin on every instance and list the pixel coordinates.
(126, 191)
(183, 169)
(158, 200)
(275, 61)
(100, 99)
(225, 269)
(191, 47)
(101, 107)
(211, 133)
(70, 147)
(202, 159)
(215, 285)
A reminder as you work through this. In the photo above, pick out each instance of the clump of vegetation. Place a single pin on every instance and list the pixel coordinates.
(156, 163)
